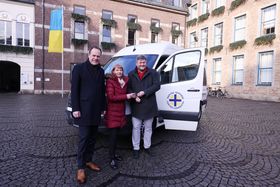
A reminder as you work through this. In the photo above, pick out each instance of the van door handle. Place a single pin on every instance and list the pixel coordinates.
(193, 90)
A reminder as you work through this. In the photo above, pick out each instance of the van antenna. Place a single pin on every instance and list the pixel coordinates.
(134, 48)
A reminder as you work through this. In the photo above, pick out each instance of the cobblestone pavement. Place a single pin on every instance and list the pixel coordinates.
(236, 144)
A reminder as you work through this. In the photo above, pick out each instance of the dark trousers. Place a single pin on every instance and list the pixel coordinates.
(113, 142)
(87, 135)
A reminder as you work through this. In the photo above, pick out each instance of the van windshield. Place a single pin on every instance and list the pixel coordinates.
(128, 63)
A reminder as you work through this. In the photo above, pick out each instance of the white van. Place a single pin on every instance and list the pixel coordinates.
(183, 92)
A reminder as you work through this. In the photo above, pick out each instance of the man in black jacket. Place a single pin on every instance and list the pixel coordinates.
(145, 82)
(88, 103)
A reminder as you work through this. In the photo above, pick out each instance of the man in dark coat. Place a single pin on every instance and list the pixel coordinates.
(145, 82)
(88, 103)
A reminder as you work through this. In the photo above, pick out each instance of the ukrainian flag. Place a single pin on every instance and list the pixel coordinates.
(56, 32)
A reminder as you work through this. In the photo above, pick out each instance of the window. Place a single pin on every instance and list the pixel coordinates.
(5, 32)
(23, 38)
(176, 3)
(79, 26)
(218, 34)
(106, 31)
(175, 26)
(268, 20)
(239, 28)
(193, 12)
(192, 39)
(128, 62)
(79, 32)
(185, 67)
(219, 3)
(106, 34)
(131, 32)
(79, 10)
(237, 76)
(204, 37)
(204, 6)
(217, 71)
(154, 36)
(107, 14)
(265, 68)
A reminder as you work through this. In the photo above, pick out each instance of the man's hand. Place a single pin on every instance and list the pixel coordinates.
(137, 99)
(76, 114)
(140, 94)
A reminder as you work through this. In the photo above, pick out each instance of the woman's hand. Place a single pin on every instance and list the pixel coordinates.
(131, 95)
(76, 114)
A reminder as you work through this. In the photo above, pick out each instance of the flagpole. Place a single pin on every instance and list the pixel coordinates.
(62, 55)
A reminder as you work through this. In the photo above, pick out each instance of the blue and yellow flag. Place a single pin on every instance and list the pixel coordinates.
(55, 35)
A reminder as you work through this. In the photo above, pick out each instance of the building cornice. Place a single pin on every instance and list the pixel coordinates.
(155, 5)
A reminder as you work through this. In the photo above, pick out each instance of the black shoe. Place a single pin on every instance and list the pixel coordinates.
(118, 158)
(114, 164)
(149, 152)
(135, 154)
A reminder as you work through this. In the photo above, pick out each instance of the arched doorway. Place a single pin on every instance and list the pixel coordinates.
(9, 77)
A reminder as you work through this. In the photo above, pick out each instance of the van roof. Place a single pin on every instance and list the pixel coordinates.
(149, 48)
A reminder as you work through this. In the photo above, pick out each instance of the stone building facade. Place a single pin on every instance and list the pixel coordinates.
(243, 45)
(16, 46)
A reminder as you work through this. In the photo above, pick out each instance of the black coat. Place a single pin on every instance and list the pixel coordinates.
(150, 83)
(88, 93)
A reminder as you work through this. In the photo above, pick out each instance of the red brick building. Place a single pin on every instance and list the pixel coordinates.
(110, 24)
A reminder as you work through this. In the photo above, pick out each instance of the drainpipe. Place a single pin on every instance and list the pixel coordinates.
(185, 31)
(186, 19)
(43, 49)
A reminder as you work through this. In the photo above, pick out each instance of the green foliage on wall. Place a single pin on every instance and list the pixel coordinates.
(265, 40)
(155, 29)
(176, 33)
(237, 44)
(76, 41)
(134, 26)
(108, 45)
(16, 49)
(192, 22)
(109, 22)
(218, 11)
(217, 48)
(203, 17)
(236, 3)
(80, 17)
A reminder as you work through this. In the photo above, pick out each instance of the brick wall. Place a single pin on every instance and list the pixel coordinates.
(74, 54)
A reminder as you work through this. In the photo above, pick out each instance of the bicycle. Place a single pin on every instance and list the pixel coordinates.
(221, 94)
(212, 92)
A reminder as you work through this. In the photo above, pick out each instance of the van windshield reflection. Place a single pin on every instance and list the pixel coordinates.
(128, 63)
